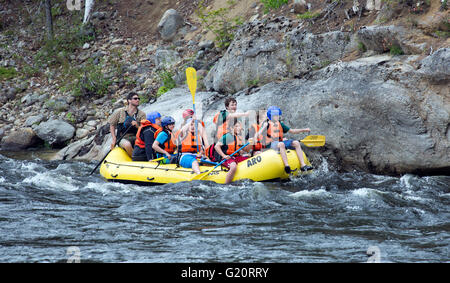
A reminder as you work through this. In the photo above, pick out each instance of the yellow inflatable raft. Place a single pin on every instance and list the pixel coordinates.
(267, 166)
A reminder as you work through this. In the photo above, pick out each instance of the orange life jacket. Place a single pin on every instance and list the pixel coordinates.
(189, 144)
(221, 126)
(145, 123)
(257, 146)
(169, 145)
(234, 145)
(274, 132)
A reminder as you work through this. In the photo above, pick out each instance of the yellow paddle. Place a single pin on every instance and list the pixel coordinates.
(314, 141)
(157, 159)
(191, 77)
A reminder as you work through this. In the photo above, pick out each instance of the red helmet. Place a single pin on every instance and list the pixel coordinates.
(188, 113)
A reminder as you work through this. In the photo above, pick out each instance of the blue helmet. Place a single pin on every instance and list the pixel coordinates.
(273, 110)
(152, 116)
(167, 121)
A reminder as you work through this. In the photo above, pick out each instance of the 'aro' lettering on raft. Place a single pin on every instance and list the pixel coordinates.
(253, 161)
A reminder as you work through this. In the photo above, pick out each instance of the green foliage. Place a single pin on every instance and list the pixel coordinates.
(219, 23)
(442, 34)
(86, 80)
(165, 77)
(362, 47)
(71, 117)
(308, 15)
(395, 50)
(7, 73)
(54, 52)
(161, 91)
(273, 4)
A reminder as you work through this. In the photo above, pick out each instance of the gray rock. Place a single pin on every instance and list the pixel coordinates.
(436, 67)
(382, 38)
(81, 133)
(29, 99)
(34, 120)
(300, 6)
(99, 15)
(269, 52)
(169, 24)
(55, 131)
(207, 44)
(20, 139)
(166, 58)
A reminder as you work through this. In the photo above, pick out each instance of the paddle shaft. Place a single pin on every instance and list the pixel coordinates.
(117, 142)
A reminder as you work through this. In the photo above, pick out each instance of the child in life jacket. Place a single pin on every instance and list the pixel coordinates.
(145, 137)
(272, 131)
(165, 146)
(227, 145)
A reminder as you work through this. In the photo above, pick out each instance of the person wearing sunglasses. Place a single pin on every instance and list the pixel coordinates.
(126, 119)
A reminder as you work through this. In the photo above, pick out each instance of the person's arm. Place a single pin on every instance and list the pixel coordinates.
(260, 132)
(183, 131)
(149, 139)
(113, 120)
(204, 137)
(112, 130)
(298, 131)
(156, 147)
(218, 147)
(238, 115)
(156, 144)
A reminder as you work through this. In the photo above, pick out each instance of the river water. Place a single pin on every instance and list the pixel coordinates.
(54, 211)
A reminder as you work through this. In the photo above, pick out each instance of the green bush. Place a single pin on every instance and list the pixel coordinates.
(219, 23)
(54, 52)
(273, 4)
(308, 15)
(395, 50)
(7, 73)
(86, 80)
(161, 91)
(166, 79)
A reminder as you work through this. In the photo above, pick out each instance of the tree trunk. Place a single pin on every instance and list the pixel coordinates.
(48, 19)
(87, 10)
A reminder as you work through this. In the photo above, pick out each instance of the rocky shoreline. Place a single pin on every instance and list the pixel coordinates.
(380, 94)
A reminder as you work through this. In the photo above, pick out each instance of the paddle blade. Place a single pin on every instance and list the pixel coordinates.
(314, 141)
(191, 77)
(201, 175)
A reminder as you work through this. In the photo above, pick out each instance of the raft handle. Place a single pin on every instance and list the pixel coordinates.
(114, 176)
(150, 179)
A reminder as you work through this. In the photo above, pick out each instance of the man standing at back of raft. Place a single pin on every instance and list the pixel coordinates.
(272, 131)
(126, 118)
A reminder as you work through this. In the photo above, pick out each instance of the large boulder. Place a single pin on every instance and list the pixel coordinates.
(55, 132)
(384, 38)
(169, 24)
(379, 114)
(20, 139)
(436, 67)
(262, 53)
